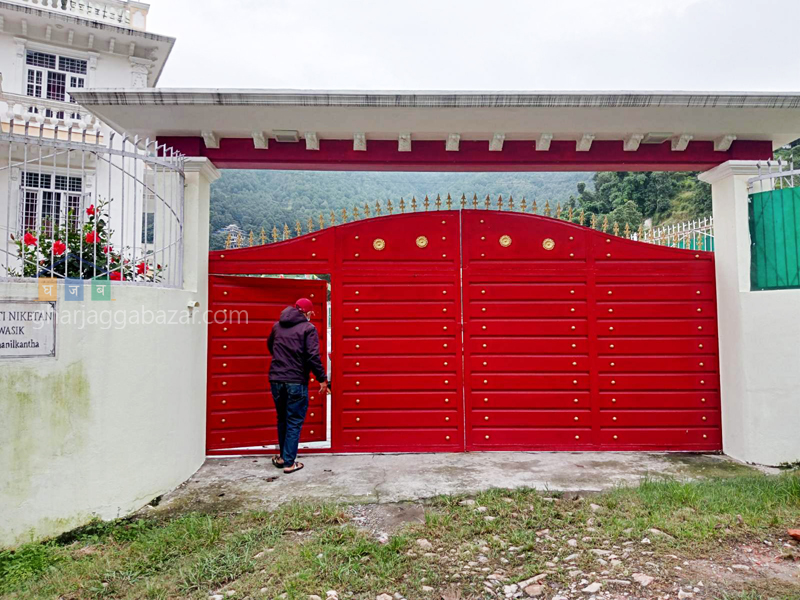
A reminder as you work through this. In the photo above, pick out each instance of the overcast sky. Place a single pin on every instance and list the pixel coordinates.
(714, 45)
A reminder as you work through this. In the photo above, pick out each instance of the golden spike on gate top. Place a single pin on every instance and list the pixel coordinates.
(402, 205)
(239, 240)
(321, 222)
(594, 221)
(426, 203)
(582, 217)
(286, 233)
(298, 228)
(675, 240)
(356, 215)
(310, 224)
(488, 202)
(438, 202)
(449, 202)
(628, 230)
(332, 218)
(344, 215)
(524, 204)
(641, 232)
(570, 214)
(366, 210)
(413, 204)
(463, 201)
(228, 241)
(558, 210)
(263, 236)
(475, 201)
(616, 228)
(377, 208)
(534, 208)
(500, 202)
(605, 224)
(251, 238)
(547, 208)
(510, 202)
(389, 206)
(274, 233)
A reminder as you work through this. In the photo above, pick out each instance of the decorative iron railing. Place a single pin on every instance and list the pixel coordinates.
(109, 11)
(78, 206)
(774, 211)
(696, 235)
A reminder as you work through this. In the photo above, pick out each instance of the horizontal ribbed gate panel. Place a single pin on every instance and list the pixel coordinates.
(573, 339)
(397, 354)
(240, 409)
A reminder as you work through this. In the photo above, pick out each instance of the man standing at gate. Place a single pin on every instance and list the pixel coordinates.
(294, 346)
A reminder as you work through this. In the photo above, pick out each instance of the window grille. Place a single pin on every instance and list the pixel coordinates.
(49, 200)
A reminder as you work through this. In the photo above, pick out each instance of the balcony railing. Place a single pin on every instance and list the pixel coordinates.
(116, 12)
(46, 113)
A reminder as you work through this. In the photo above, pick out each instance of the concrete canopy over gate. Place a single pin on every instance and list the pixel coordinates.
(567, 339)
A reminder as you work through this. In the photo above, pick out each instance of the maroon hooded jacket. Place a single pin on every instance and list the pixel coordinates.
(294, 345)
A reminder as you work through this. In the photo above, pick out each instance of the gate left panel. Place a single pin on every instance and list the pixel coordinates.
(241, 412)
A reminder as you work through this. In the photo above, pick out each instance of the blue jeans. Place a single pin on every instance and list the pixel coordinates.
(291, 402)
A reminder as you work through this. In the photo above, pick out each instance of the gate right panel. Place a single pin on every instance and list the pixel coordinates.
(575, 339)
(657, 352)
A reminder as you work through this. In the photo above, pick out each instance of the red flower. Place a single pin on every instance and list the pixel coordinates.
(115, 276)
(141, 268)
(59, 248)
(107, 249)
(30, 239)
(158, 267)
(92, 237)
(90, 211)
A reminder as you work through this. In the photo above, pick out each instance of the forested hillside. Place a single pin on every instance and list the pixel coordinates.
(253, 200)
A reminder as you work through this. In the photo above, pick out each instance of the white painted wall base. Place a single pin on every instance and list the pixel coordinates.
(118, 417)
(759, 336)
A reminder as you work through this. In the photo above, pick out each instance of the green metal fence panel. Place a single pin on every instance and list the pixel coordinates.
(775, 239)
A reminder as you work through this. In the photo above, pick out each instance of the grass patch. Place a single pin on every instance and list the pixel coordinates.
(304, 549)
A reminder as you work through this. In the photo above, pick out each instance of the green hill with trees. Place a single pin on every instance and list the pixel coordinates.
(253, 200)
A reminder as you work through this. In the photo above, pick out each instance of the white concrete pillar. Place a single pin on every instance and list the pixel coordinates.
(759, 335)
(200, 174)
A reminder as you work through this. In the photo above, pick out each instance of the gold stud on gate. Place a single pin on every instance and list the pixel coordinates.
(548, 244)
(379, 244)
(505, 241)
(422, 241)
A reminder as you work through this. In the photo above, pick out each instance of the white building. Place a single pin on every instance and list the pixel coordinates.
(47, 48)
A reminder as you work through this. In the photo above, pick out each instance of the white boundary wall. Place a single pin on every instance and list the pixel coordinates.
(759, 335)
(118, 417)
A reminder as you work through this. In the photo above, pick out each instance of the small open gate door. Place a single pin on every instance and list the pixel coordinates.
(241, 412)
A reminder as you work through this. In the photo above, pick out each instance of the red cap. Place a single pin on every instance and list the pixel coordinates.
(304, 305)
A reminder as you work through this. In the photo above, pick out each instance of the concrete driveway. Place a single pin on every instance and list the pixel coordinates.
(252, 482)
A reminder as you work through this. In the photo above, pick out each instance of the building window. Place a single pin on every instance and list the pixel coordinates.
(49, 75)
(49, 201)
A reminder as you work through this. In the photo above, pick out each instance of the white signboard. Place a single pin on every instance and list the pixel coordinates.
(27, 329)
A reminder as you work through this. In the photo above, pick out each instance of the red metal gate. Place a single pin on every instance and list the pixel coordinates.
(569, 338)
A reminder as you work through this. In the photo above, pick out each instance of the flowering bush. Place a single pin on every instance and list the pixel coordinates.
(80, 252)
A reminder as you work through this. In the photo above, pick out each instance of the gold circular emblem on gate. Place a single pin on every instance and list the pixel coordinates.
(379, 244)
(548, 244)
(505, 241)
(422, 241)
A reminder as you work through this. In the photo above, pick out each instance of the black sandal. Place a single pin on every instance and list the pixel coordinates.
(275, 463)
(294, 468)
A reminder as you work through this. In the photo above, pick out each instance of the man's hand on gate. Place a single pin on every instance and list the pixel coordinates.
(323, 388)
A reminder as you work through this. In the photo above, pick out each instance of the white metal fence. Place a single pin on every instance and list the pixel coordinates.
(79, 206)
(693, 235)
